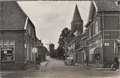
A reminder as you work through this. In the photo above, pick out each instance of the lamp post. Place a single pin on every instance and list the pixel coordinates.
(34, 51)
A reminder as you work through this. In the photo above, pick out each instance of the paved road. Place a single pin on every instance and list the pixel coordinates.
(57, 69)
(2, 73)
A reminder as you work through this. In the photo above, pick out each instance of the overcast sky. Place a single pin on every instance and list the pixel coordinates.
(50, 17)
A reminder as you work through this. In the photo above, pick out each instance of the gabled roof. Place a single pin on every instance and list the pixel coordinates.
(100, 6)
(13, 17)
(38, 42)
(107, 5)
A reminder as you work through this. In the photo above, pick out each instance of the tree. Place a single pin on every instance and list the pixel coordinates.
(60, 52)
(65, 32)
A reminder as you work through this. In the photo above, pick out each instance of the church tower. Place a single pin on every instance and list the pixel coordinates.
(77, 22)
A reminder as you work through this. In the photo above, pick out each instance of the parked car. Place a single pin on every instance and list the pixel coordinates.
(69, 61)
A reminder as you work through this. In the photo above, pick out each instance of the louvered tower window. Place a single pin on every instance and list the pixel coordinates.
(117, 2)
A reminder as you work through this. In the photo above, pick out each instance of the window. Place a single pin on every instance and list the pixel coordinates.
(1, 43)
(7, 54)
(11, 42)
(117, 3)
(89, 32)
(29, 30)
(7, 50)
(5, 43)
(96, 27)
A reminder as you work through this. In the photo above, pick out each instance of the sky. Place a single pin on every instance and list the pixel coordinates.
(50, 17)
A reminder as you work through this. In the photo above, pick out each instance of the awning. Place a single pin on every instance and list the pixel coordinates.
(97, 50)
(92, 51)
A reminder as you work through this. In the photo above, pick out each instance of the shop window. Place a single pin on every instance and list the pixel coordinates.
(5, 43)
(1, 43)
(7, 55)
(7, 50)
(11, 42)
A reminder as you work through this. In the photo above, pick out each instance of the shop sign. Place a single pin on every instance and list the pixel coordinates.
(106, 44)
(6, 48)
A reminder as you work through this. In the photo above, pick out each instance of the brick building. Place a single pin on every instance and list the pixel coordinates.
(100, 43)
(17, 36)
(103, 32)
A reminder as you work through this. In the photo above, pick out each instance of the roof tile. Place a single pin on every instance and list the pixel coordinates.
(107, 6)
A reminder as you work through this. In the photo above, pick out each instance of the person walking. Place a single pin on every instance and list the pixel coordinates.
(38, 62)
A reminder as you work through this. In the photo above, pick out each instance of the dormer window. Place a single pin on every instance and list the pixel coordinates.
(117, 3)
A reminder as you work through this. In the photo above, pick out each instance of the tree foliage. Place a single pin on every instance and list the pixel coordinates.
(65, 33)
(60, 52)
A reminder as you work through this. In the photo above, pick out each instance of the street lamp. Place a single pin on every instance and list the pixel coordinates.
(34, 51)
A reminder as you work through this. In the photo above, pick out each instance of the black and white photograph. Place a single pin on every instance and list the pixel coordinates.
(60, 39)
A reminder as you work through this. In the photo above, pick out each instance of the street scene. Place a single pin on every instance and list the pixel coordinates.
(57, 69)
(60, 39)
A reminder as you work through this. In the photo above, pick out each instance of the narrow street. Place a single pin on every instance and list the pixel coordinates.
(83, 31)
(56, 69)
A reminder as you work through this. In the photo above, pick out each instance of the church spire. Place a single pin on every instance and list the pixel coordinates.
(76, 13)
(77, 22)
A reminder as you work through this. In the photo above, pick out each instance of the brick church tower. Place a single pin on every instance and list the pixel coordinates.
(77, 22)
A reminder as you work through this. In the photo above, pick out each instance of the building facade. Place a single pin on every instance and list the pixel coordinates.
(72, 43)
(17, 36)
(100, 43)
(103, 33)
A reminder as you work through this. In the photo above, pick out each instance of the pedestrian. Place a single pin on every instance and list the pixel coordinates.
(115, 65)
(25, 64)
(38, 62)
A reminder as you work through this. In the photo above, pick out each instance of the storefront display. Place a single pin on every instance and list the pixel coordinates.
(7, 48)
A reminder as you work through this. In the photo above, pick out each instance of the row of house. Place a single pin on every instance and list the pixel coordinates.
(17, 37)
(99, 44)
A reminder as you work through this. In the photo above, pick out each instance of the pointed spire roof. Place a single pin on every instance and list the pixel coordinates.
(76, 13)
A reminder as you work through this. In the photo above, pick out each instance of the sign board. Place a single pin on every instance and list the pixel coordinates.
(69, 57)
(106, 44)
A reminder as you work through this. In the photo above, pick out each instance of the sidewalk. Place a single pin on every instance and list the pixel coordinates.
(41, 69)
(31, 69)
(2, 73)
(94, 67)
